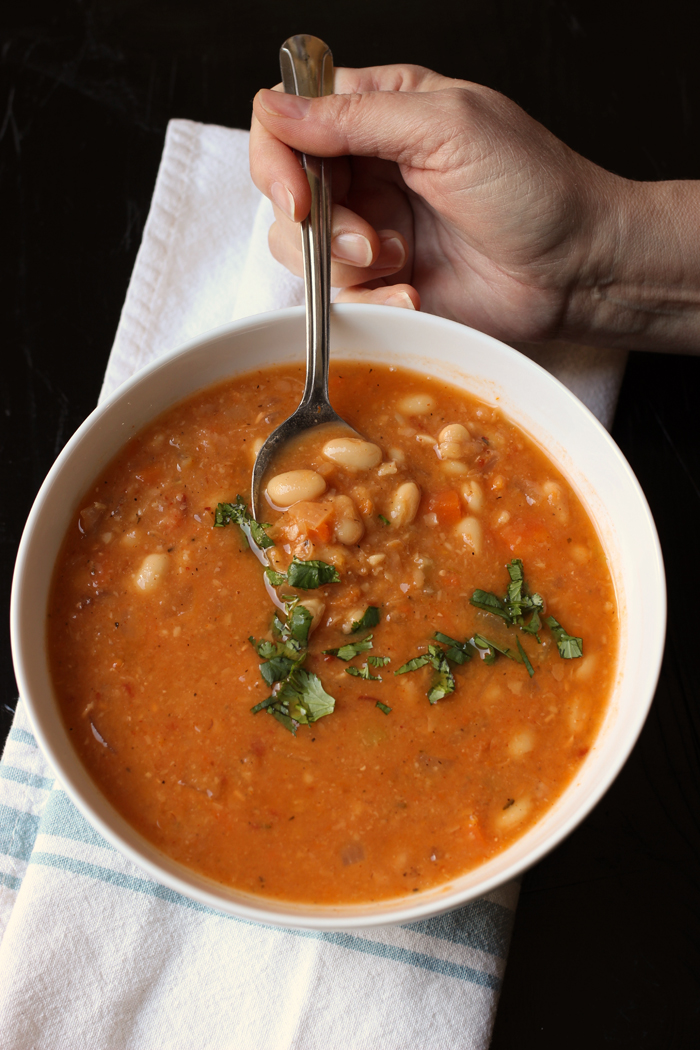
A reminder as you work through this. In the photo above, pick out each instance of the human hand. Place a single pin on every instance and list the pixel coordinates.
(446, 194)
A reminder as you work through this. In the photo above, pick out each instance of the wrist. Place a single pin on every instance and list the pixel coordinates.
(638, 279)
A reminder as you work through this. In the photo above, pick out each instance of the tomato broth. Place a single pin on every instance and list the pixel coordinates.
(363, 784)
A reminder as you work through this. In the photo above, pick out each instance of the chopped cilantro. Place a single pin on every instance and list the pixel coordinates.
(384, 521)
(414, 664)
(524, 658)
(351, 649)
(458, 652)
(369, 618)
(569, 647)
(300, 700)
(489, 603)
(379, 661)
(238, 513)
(307, 575)
(516, 602)
(363, 672)
(443, 680)
(383, 707)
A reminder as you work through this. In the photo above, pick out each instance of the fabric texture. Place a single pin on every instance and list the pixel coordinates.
(92, 951)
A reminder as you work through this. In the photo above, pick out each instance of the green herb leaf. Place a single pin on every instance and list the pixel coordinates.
(351, 649)
(490, 603)
(285, 719)
(510, 653)
(263, 704)
(568, 645)
(299, 623)
(363, 672)
(276, 669)
(276, 578)
(307, 575)
(238, 513)
(524, 658)
(384, 521)
(443, 681)
(379, 661)
(458, 652)
(414, 664)
(264, 648)
(370, 618)
(383, 707)
(484, 648)
(305, 697)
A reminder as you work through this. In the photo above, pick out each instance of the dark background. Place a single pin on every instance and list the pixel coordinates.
(606, 949)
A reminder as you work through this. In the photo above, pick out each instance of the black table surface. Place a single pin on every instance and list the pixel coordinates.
(606, 949)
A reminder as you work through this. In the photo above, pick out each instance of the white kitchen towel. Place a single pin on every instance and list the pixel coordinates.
(93, 952)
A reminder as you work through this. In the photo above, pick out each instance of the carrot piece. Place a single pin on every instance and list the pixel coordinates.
(313, 519)
(446, 507)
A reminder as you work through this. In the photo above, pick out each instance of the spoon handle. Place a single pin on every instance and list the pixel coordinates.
(307, 69)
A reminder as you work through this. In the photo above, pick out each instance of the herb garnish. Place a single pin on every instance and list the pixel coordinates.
(351, 649)
(383, 707)
(306, 575)
(512, 608)
(516, 602)
(569, 647)
(298, 697)
(238, 513)
(369, 618)
(300, 700)
(443, 682)
(363, 672)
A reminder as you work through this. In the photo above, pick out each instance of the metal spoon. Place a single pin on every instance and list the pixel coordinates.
(307, 69)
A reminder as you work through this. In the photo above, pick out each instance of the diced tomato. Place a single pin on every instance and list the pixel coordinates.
(314, 519)
(446, 507)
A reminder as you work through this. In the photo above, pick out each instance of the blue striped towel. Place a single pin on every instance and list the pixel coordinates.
(95, 954)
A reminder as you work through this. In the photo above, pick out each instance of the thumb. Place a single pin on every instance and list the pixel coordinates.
(401, 126)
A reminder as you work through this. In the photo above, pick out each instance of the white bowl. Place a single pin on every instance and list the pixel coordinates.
(532, 398)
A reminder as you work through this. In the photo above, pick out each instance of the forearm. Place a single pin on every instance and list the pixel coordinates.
(640, 286)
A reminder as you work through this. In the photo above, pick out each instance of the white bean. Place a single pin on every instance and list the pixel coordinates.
(348, 525)
(453, 442)
(353, 453)
(153, 567)
(521, 743)
(469, 529)
(557, 501)
(404, 503)
(455, 468)
(473, 495)
(417, 404)
(516, 812)
(285, 489)
(454, 432)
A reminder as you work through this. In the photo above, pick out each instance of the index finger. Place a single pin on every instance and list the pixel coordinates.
(349, 81)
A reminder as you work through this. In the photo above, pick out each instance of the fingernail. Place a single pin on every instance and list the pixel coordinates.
(282, 105)
(402, 299)
(352, 248)
(391, 254)
(283, 199)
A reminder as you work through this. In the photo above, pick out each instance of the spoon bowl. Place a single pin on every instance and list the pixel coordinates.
(306, 64)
